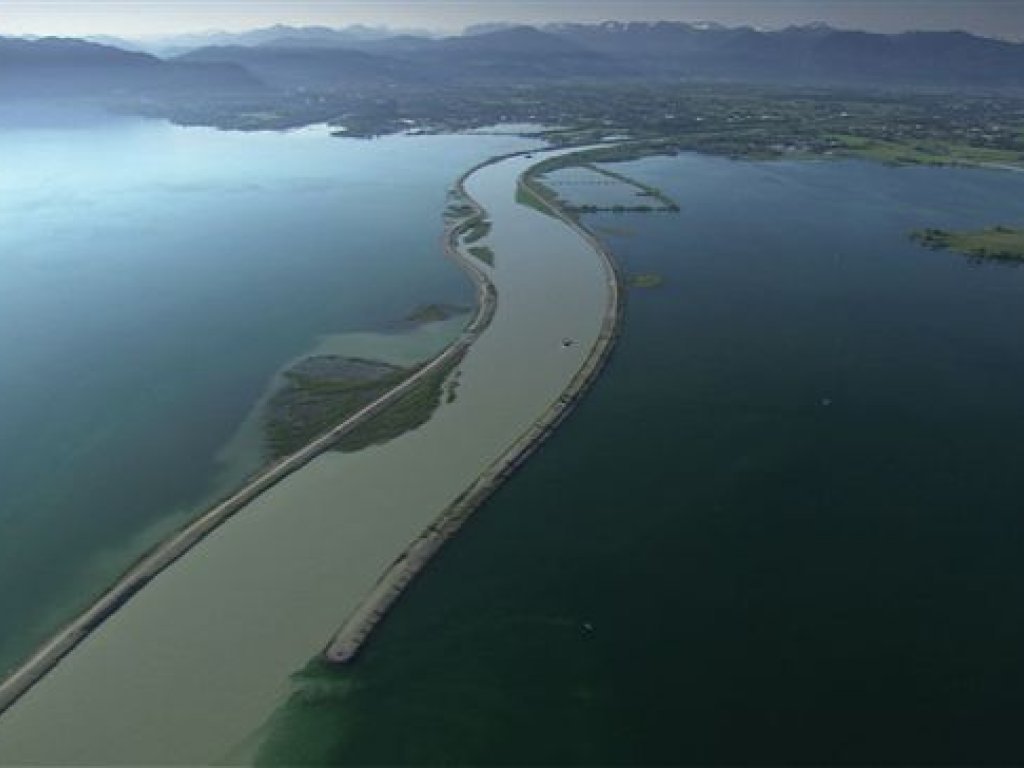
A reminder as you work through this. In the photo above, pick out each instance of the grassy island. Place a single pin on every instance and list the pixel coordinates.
(476, 230)
(996, 243)
(318, 393)
(482, 252)
(646, 280)
(458, 210)
(434, 313)
(412, 410)
(322, 391)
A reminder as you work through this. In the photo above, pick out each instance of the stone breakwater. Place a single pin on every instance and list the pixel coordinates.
(345, 645)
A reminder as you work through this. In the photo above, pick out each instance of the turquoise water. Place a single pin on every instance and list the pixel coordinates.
(783, 528)
(152, 280)
(191, 670)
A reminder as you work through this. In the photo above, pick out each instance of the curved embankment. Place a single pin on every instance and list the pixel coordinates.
(200, 650)
(344, 646)
(166, 553)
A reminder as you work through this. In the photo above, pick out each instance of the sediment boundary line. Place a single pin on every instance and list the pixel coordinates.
(353, 634)
(166, 553)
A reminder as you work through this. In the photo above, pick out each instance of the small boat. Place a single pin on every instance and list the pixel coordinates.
(567, 342)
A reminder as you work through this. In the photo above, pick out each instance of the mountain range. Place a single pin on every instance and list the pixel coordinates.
(322, 59)
(57, 67)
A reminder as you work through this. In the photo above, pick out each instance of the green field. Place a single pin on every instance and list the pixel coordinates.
(924, 152)
(996, 243)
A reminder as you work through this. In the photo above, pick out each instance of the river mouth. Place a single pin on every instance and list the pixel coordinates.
(204, 638)
(783, 528)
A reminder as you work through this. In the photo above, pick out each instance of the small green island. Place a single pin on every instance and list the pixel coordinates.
(476, 229)
(318, 393)
(435, 313)
(995, 243)
(411, 410)
(321, 391)
(646, 280)
(482, 252)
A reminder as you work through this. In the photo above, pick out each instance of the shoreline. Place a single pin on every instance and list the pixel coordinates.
(358, 628)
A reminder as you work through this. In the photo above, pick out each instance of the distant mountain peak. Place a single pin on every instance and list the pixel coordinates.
(315, 58)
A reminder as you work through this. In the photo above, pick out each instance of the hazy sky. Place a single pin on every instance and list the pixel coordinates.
(1004, 18)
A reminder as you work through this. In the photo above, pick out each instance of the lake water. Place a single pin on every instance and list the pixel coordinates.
(152, 280)
(191, 669)
(785, 527)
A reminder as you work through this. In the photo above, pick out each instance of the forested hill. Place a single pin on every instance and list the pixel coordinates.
(69, 67)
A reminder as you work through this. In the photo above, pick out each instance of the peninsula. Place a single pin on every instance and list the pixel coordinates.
(357, 628)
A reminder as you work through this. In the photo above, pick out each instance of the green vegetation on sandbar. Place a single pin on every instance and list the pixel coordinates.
(319, 393)
(533, 194)
(412, 410)
(458, 210)
(646, 280)
(452, 387)
(483, 252)
(433, 313)
(476, 230)
(615, 231)
(995, 243)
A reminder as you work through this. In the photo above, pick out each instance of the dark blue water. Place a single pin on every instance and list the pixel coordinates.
(152, 280)
(785, 526)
